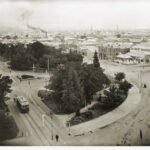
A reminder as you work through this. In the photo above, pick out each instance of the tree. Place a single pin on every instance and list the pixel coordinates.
(5, 88)
(118, 35)
(69, 93)
(119, 76)
(125, 86)
(38, 49)
(8, 127)
(112, 97)
(93, 81)
(96, 60)
(72, 94)
(18, 60)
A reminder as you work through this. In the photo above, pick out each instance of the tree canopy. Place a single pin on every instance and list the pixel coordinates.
(22, 57)
(75, 84)
(8, 127)
(119, 76)
(5, 88)
(96, 60)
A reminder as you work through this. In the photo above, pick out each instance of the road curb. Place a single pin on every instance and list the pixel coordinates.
(111, 117)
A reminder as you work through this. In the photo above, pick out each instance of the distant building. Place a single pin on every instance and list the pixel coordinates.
(137, 55)
(110, 50)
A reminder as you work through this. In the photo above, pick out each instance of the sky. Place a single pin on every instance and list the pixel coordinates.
(75, 14)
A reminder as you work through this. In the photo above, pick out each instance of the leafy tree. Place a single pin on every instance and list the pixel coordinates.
(93, 81)
(125, 86)
(18, 60)
(72, 94)
(8, 127)
(112, 97)
(118, 35)
(96, 60)
(68, 90)
(38, 49)
(57, 85)
(5, 88)
(119, 76)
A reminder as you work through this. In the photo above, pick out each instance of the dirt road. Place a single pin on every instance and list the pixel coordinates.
(35, 127)
(125, 131)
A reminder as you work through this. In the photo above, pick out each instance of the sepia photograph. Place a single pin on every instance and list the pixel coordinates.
(75, 73)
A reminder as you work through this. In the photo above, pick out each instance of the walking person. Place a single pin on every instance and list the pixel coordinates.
(57, 137)
(141, 135)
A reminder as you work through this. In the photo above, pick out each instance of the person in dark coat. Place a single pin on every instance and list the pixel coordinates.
(57, 137)
(145, 85)
(141, 135)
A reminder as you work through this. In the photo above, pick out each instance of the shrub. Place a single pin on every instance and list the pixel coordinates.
(119, 76)
(88, 114)
(125, 86)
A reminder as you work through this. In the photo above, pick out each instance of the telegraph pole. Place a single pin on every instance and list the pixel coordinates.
(139, 82)
(48, 64)
(33, 69)
(51, 116)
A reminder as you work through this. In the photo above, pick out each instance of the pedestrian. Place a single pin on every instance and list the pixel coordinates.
(57, 137)
(141, 134)
(145, 85)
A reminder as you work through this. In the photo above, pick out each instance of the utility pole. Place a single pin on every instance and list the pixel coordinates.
(51, 116)
(140, 82)
(69, 128)
(33, 69)
(48, 65)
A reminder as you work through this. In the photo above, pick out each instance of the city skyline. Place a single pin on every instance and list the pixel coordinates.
(74, 15)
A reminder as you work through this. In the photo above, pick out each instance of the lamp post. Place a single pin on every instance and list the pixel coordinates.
(43, 120)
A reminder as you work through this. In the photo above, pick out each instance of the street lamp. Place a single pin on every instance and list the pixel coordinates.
(43, 120)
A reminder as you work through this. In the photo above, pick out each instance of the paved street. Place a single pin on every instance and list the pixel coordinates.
(125, 131)
(31, 128)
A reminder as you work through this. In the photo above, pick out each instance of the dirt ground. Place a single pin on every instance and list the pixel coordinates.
(125, 131)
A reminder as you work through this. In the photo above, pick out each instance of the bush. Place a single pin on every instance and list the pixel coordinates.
(125, 86)
(119, 76)
(95, 111)
(88, 114)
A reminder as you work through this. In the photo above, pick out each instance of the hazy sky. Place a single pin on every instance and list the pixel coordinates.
(75, 14)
